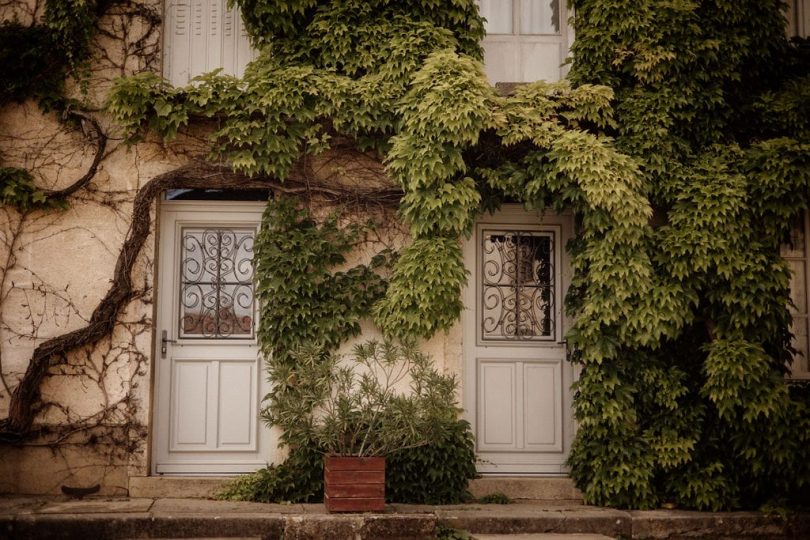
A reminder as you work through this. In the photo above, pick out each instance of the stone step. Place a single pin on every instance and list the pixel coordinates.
(559, 488)
(518, 488)
(177, 487)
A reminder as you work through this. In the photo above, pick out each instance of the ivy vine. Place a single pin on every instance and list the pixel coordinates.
(304, 302)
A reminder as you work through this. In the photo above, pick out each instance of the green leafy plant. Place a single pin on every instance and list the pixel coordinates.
(17, 189)
(305, 303)
(437, 472)
(299, 479)
(497, 497)
(360, 409)
(443, 532)
(364, 408)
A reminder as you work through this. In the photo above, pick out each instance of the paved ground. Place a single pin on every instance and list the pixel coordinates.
(164, 518)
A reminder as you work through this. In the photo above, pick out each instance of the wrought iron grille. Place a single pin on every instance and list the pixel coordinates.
(517, 294)
(216, 291)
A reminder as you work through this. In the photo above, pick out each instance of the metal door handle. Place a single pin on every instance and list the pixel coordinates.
(163, 341)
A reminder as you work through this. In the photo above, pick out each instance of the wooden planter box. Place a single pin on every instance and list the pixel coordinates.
(354, 484)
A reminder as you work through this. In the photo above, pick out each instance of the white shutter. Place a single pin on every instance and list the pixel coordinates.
(178, 40)
(215, 40)
(201, 36)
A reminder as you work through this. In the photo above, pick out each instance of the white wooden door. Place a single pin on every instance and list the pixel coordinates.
(209, 378)
(516, 377)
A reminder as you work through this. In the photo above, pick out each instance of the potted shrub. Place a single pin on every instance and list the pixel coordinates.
(386, 397)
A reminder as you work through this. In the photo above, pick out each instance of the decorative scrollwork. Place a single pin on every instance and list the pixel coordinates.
(517, 285)
(217, 299)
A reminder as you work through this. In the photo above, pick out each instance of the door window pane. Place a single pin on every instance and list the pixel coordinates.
(517, 296)
(216, 283)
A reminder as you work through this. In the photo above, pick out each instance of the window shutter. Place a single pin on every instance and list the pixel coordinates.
(177, 42)
(201, 36)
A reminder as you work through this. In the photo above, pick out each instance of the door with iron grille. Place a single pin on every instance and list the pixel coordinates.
(209, 379)
(516, 376)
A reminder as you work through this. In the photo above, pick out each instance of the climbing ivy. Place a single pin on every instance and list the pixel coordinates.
(308, 309)
(304, 302)
(39, 57)
(709, 97)
(17, 189)
(680, 141)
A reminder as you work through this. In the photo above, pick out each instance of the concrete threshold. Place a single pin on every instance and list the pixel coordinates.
(165, 518)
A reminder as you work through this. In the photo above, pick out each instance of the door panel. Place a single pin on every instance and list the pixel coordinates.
(516, 377)
(209, 378)
(542, 385)
(189, 405)
(238, 409)
(497, 421)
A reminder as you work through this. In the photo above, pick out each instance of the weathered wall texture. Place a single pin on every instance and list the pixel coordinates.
(55, 266)
(94, 417)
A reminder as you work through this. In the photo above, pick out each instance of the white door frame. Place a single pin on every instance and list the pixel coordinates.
(548, 356)
(217, 361)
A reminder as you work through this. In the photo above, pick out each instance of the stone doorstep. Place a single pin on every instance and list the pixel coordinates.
(521, 518)
(519, 488)
(177, 487)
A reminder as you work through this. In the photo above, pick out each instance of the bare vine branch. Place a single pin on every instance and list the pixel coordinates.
(101, 144)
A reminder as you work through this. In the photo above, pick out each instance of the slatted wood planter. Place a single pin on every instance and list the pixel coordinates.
(354, 484)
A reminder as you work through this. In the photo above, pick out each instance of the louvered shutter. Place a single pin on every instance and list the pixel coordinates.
(201, 36)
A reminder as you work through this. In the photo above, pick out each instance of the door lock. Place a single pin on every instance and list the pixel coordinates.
(163, 341)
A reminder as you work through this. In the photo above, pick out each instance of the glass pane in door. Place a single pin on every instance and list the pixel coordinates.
(517, 294)
(216, 283)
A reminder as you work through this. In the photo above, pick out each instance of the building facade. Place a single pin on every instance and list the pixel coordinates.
(176, 388)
